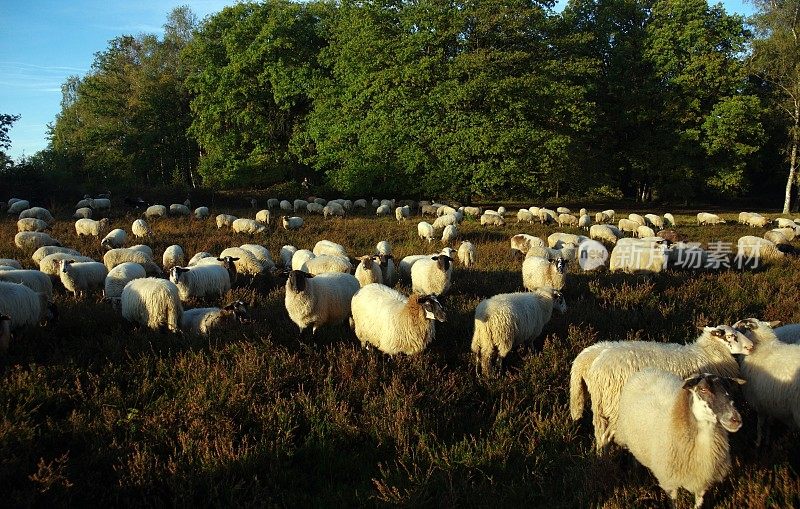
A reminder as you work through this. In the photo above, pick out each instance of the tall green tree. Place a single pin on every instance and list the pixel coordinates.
(776, 59)
(6, 122)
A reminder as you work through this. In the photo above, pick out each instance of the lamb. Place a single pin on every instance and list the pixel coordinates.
(432, 275)
(326, 247)
(522, 243)
(508, 319)
(201, 213)
(155, 211)
(327, 263)
(316, 301)
(679, 428)
(707, 218)
(393, 323)
(449, 234)
(24, 307)
(383, 248)
(201, 321)
(201, 281)
(654, 221)
(90, 227)
(538, 272)
(114, 257)
(140, 229)
(225, 220)
(118, 277)
(31, 241)
(31, 224)
(425, 231)
(466, 254)
(492, 220)
(246, 262)
(263, 216)
(771, 371)
(711, 352)
(152, 302)
(17, 207)
(36, 280)
(368, 271)
(286, 254)
(82, 278)
(173, 256)
(179, 209)
(114, 239)
(567, 220)
(291, 223)
(603, 233)
(83, 212)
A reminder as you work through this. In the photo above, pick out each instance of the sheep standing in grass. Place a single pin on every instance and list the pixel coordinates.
(248, 226)
(327, 263)
(425, 231)
(291, 223)
(567, 220)
(201, 281)
(43, 251)
(524, 215)
(83, 212)
(41, 214)
(82, 278)
(201, 213)
(383, 248)
(509, 319)
(155, 211)
(114, 257)
(90, 227)
(140, 229)
(179, 209)
(679, 428)
(246, 262)
(152, 302)
(17, 206)
(263, 216)
(604, 233)
(449, 234)
(31, 224)
(492, 220)
(444, 220)
(639, 257)
(194, 260)
(707, 218)
(616, 361)
(466, 254)
(261, 254)
(432, 275)
(315, 301)
(402, 213)
(771, 371)
(368, 271)
(389, 273)
(538, 272)
(202, 321)
(114, 239)
(31, 241)
(25, 308)
(172, 256)
(327, 247)
(50, 263)
(522, 243)
(286, 254)
(225, 220)
(118, 277)
(393, 323)
(669, 221)
(36, 280)
(11, 262)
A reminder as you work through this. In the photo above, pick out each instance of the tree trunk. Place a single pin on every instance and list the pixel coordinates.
(795, 137)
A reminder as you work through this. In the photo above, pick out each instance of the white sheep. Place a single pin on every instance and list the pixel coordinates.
(90, 227)
(654, 221)
(261, 253)
(82, 278)
(757, 221)
(263, 216)
(17, 207)
(538, 272)
(368, 270)
(563, 210)
(31, 241)
(201, 281)
(273, 203)
(143, 248)
(43, 251)
(615, 361)
(315, 301)
(382, 210)
(333, 209)
(585, 221)
(425, 231)
(152, 302)
(777, 237)
(708, 218)
(327, 247)
(789, 333)
(402, 213)
(114, 239)
(603, 233)
(24, 307)
(449, 234)
(524, 215)
(567, 220)
(641, 257)
(644, 232)
(39, 213)
(286, 254)
(492, 220)
(444, 220)
(558, 240)
(636, 218)
(83, 212)
(114, 257)
(389, 274)
(299, 205)
(225, 220)
(248, 226)
(753, 249)
(11, 262)
(291, 223)
(432, 275)
(202, 321)
(771, 371)
(626, 225)
(201, 213)
(509, 319)
(194, 260)
(669, 220)
(31, 224)
(173, 255)
(360, 203)
(522, 243)
(36, 280)
(300, 257)
(316, 208)
(155, 211)
(140, 229)
(383, 248)
(327, 263)
(118, 277)
(679, 428)
(50, 263)
(393, 323)
(472, 211)
(179, 209)
(286, 206)
(466, 254)
(246, 262)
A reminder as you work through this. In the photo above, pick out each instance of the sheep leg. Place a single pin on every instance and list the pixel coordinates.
(698, 499)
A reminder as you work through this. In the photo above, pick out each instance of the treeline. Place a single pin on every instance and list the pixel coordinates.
(637, 98)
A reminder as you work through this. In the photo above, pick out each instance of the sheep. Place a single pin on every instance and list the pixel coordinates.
(114, 239)
(143, 248)
(286, 254)
(645, 231)
(172, 256)
(389, 273)
(449, 234)
(333, 209)
(118, 277)
(679, 428)
(140, 229)
(583, 212)
(300, 257)
(671, 236)
(558, 240)
(425, 231)
(327, 263)
(201, 321)
(83, 213)
(585, 221)
(225, 220)
(756, 221)
(782, 222)
(43, 251)
(615, 361)
(286, 206)
(789, 233)
(654, 221)
(246, 262)
(50, 263)
(708, 218)
(152, 302)
(201, 213)
(31, 224)
(39, 213)
(508, 319)
(492, 220)
(642, 257)
(567, 220)
(751, 249)
(789, 333)
(669, 220)
(100, 203)
(263, 216)
(319, 201)
(466, 254)
(382, 210)
(273, 203)
(326, 247)
(388, 203)
(444, 220)
(626, 225)
(81, 278)
(24, 307)
(773, 387)
(114, 257)
(248, 226)
(318, 300)
(524, 215)
(601, 217)
(31, 241)
(776, 237)
(393, 323)
(201, 281)
(432, 275)
(10, 262)
(402, 213)
(563, 210)
(179, 209)
(155, 211)
(17, 207)
(383, 248)
(472, 211)
(538, 272)
(194, 260)
(360, 204)
(36, 280)
(368, 271)
(636, 218)
(428, 209)
(522, 243)
(291, 223)
(603, 233)
(90, 227)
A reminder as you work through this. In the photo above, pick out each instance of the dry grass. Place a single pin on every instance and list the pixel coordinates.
(93, 414)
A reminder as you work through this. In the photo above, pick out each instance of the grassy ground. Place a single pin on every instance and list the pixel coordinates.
(93, 414)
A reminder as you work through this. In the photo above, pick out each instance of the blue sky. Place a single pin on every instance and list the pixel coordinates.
(42, 42)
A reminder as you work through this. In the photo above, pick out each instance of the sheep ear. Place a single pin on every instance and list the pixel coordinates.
(690, 382)
(435, 257)
(775, 323)
(306, 274)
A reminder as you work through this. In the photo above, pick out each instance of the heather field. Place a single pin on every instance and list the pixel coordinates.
(93, 413)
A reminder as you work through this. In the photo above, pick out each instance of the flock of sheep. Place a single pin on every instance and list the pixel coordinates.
(669, 404)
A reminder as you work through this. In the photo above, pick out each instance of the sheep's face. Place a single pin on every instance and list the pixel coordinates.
(175, 274)
(711, 400)
(297, 281)
(433, 308)
(443, 262)
(63, 265)
(561, 265)
(736, 342)
(239, 310)
(559, 304)
(753, 328)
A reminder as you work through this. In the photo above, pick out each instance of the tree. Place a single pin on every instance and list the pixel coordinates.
(776, 59)
(6, 122)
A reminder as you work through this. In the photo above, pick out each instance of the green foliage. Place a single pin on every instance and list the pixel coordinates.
(6, 122)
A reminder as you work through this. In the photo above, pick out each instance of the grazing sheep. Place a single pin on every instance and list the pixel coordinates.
(36, 280)
(143, 248)
(428, 209)
(360, 204)
(25, 308)
(368, 271)
(261, 254)
(286, 254)
(776, 237)
(383, 248)
(771, 371)
(524, 215)
(466, 254)
(644, 232)
(444, 220)
(636, 218)
(758, 221)
(492, 220)
(654, 221)
(669, 220)
(558, 240)
(522, 243)
(449, 234)
(10, 262)
(82, 278)
(155, 211)
(782, 222)
(90, 227)
(273, 203)
(538, 272)
(472, 211)
(43, 251)
(299, 205)
(320, 300)
(194, 260)
(509, 319)
(291, 223)
(389, 274)
(31, 241)
(382, 210)
(333, 209)
(393, 323)
(202, 321)
(585, 221)
(173, 255)
(753, 249)
(432, 275)
(248, 226)
(201, 213)
(671, 236)
(100, 203)
(225, 220)
(326, 247)
(114, 239)
(327, 263)
(39, 213)
(179, 209)
(628, 226)
(707, 218)
(641, 257)
(118, 277)
(201, 281)
(246, 262)
(603, 233)
(31, 224)
(83, 213)
(402, 213)
(17, 206)
(601, 217)
(152, 302)
(141, 229)
(263, 216)
(563, 210)
(316, 208)
(616, 361)
(50, 263)
(286, 206)
(679, 428)
(300, 257)
(114, 257)
(567, 220)
(425, 231)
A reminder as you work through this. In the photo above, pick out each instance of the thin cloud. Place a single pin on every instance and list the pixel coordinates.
(43, 67)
